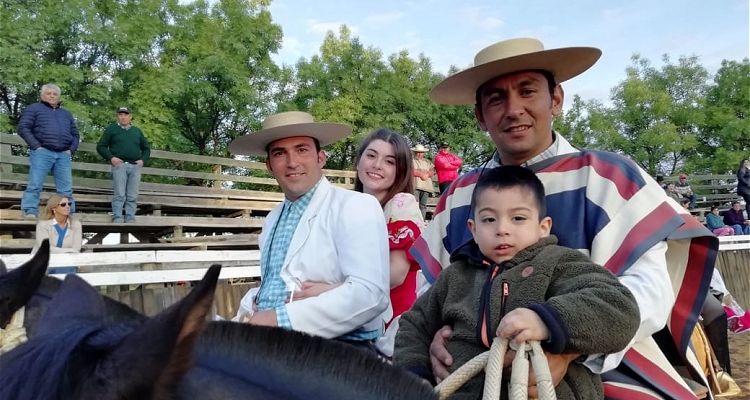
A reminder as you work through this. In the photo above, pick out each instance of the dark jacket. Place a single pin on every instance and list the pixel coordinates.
(743, 180)
(585, 307)
(51, 128)
(732, 217)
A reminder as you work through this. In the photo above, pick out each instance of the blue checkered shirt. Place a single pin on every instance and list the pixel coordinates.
(273, 291)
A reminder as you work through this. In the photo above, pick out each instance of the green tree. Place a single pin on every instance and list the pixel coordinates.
(725, 134)
(657, 114)
(587, 124)
(351, 83)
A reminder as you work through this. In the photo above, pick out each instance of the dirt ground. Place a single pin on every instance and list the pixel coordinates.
(739, 346)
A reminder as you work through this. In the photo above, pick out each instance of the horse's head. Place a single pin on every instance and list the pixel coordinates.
(18, 286)
(78, 353)
(29, 286)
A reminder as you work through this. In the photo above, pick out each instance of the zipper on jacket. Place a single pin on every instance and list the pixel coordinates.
(486, 333)
(506, 292)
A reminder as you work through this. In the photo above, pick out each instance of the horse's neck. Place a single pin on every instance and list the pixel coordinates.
(293, 365)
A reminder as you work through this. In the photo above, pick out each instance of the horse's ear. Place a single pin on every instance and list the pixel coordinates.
(18, 285)
(158, 353)
(74, 302)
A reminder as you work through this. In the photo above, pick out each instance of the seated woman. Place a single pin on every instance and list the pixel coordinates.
(384, 170)
(65, 233)
(715, 224)
(735, 219)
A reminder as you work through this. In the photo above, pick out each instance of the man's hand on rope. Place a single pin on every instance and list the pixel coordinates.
(440, 359)
(558, 367)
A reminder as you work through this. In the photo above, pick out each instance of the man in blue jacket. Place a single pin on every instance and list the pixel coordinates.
(52, 135)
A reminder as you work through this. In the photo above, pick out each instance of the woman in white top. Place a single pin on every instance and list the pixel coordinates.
(65, 233)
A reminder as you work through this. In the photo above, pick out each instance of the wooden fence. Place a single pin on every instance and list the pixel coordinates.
(733, 263)
(167, 212)
(225, 171)
(144, 279)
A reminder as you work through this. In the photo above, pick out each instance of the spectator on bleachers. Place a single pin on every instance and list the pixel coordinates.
(64, 232)
(716, 225)
(446, 165)
(685, 203)
(52, 136)
(424, 170)
(743, 183)
(683, 188)
(660, 181)
(672, 192)
(734, 218)
(126, 148)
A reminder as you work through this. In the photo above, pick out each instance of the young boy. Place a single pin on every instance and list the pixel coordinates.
(512, 280)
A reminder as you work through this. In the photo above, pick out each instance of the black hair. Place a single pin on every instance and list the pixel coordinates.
(551, 85)
(511, 176)
(268, 146)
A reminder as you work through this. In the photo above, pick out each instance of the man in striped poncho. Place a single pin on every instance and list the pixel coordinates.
(603, 204)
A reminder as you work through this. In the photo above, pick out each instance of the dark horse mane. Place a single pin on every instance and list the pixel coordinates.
(299, 365)
(116, 312)
(60, 350)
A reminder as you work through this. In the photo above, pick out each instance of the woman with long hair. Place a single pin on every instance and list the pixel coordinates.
(64, 232)
(384, 170)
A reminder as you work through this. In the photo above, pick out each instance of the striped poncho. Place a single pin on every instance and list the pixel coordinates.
(606, 206)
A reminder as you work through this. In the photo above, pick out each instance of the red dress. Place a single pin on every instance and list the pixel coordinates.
(405, 224)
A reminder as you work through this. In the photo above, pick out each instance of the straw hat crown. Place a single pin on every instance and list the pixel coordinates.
(285, 125)
(509, 56)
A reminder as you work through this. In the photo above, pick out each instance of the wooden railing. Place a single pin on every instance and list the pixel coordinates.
(166, 211)
(220, 177)
(711, 190)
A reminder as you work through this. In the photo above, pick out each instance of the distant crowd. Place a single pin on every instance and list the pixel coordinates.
(733, 221)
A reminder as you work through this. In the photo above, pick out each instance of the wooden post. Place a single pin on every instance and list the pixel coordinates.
(5, 153)
(217, 171)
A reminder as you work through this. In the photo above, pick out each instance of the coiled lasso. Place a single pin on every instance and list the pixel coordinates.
(13, 334)
(492, 362)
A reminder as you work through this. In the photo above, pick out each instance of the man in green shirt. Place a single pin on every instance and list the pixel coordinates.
(125, 147)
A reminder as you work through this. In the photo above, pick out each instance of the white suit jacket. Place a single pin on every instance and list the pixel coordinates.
(341, 238)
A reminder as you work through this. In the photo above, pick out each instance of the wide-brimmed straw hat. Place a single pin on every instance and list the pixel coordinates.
(514, 55)
(419, 149)
(285, 125)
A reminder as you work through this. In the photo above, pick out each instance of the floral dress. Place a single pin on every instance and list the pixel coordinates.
(405, 224)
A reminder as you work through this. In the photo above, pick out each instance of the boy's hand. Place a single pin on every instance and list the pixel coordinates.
(521, 325)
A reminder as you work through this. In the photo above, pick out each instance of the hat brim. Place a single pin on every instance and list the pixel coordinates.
(563, 64)
(254, 144)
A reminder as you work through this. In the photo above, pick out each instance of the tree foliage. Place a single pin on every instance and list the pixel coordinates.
(199, 74)
(354, 84)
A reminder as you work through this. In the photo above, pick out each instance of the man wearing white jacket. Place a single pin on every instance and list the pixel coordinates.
(321, 236)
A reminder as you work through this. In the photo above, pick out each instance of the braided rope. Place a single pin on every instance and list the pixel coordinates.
(13, 334)
(492, 362)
